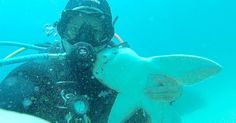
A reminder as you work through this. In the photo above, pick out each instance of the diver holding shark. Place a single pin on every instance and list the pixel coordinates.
(84, 78)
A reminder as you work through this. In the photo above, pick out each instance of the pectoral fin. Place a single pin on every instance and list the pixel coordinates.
(186, 69)
(123, 108)
(161, 112)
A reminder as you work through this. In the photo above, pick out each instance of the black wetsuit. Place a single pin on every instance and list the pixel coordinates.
(35, 88)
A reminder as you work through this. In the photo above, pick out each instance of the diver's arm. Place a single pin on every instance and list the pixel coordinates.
(18, 88)
(13, 93)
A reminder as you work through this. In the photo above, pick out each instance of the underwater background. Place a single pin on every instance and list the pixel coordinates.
(152, 27)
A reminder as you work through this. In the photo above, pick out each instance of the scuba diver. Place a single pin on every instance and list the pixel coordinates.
(87, 78)
(58, 84)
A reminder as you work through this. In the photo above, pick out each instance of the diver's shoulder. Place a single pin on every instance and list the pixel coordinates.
(30, 68)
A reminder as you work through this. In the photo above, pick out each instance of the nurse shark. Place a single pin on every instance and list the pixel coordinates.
(149, 83)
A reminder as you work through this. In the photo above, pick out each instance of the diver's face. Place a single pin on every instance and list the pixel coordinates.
(83, 27)
(72, 29)
(88, 28)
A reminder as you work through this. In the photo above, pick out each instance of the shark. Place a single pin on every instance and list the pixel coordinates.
(149, 83)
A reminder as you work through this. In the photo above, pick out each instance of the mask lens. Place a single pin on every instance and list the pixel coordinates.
(75, 27)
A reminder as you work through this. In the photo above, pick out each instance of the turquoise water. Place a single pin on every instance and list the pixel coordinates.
(153, 27)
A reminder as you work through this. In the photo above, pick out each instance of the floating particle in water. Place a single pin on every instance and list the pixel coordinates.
(104, 93)
(26, 103)
(92, 77)
(36, 89)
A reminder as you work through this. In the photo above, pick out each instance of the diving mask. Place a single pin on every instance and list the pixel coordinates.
(85, 24)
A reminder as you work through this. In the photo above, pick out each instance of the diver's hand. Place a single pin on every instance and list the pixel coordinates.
(14, 117)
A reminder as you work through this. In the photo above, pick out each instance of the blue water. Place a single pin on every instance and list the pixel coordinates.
(153, 27)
